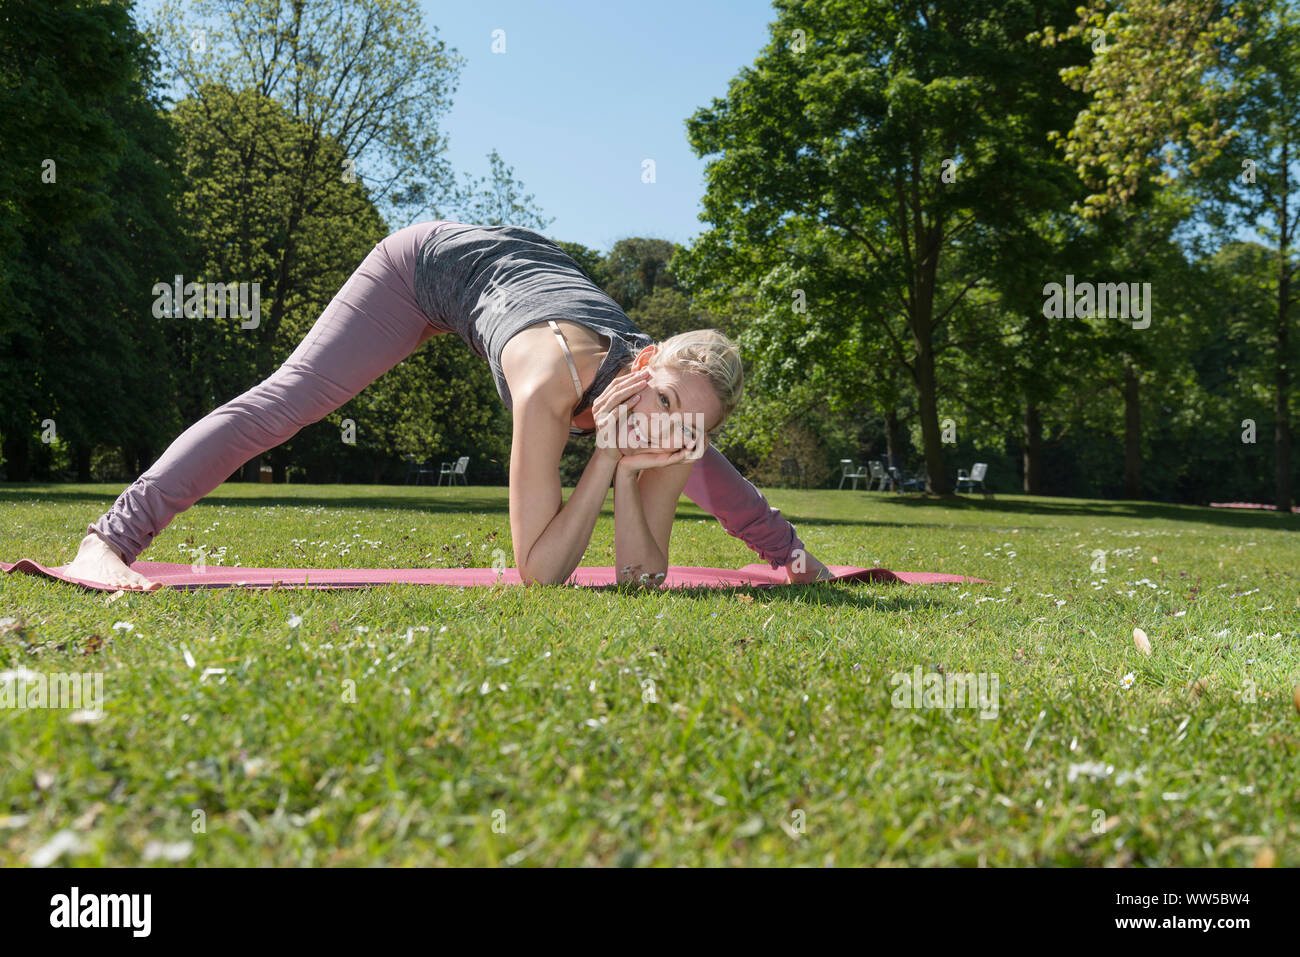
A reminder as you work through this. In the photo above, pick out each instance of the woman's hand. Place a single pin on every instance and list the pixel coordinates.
(637, 462)
(624, 392)
(634, 463)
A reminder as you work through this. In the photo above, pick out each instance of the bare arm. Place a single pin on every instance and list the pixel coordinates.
(549, 535)
(645, 503)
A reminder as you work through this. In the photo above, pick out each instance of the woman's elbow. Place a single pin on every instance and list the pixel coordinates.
(542, 576)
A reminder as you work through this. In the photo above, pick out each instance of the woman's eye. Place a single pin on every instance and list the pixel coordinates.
(664, 399)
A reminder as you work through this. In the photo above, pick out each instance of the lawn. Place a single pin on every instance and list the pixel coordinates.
(430, 726)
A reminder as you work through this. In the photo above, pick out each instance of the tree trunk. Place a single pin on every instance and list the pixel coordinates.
(82, 455)
(1283, 490)
(1132, 433)
(926, 242)
(1033, 450)
(893, 438)
(928, 407)
(252, 470)
(18, 462)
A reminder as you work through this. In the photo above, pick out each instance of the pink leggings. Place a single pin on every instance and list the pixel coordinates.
(372, 324)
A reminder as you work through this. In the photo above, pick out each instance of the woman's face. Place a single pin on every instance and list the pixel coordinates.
(674, 410)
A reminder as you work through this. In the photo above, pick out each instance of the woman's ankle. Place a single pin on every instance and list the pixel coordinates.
(111, 547)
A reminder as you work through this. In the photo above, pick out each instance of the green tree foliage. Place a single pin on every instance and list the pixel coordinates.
(907, 139)
(86, 218)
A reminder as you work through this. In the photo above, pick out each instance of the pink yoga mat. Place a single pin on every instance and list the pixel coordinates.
(679, 576)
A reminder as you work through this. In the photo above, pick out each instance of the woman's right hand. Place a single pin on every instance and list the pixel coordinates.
(623, 392)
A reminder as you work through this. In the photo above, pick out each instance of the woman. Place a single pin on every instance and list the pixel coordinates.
(566, 360)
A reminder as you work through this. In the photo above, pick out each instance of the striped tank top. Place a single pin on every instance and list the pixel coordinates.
(486, 283)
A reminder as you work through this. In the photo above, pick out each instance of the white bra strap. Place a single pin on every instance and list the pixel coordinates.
(568, 357)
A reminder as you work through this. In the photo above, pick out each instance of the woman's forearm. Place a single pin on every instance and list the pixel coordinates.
(636, 553)
(559, 549)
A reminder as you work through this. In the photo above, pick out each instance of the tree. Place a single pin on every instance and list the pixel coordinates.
(308, 127)
(1256, 185)
(86, 216)
(913, 132)
(1210, 89)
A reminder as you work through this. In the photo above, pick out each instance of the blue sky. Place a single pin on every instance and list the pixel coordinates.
(585, 91)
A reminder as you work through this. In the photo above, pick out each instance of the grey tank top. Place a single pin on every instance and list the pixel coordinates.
(486, 283)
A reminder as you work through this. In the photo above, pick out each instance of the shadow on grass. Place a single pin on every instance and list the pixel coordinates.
(1232, 518)
(862, 596)
(16, 493)
(883, 597)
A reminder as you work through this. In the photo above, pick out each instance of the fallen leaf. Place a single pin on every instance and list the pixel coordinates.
(86, 820)
(1140, 639)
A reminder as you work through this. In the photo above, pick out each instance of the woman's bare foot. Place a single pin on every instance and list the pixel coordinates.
(804, 569)
(97, 561)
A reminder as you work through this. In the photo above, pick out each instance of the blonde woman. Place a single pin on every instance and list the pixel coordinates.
(566, 360)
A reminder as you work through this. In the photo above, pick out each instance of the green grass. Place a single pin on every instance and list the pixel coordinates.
(567, 726)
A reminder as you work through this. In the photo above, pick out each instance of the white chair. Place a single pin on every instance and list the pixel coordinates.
(878, 475)
(454, 471)
(973, 477)
(850, 471)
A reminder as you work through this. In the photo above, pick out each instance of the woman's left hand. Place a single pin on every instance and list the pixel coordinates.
(635, 462)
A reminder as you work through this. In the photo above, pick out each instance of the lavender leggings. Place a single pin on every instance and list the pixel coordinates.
(372, 324)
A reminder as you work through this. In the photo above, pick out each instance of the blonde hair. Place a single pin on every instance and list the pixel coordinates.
(707, 353)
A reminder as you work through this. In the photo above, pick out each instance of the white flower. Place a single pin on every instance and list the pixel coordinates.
(295, 621)
(123, 626)
(60, 844)
(156, 850)
(1128, 680)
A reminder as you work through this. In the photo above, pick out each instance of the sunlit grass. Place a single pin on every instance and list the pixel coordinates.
(424, 725)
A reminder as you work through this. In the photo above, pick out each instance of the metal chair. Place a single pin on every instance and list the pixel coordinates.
(973, 477)
(850, 471)
(878, 475)
(454, 471)
(415, 469)
(790, 469)
(907, 481)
